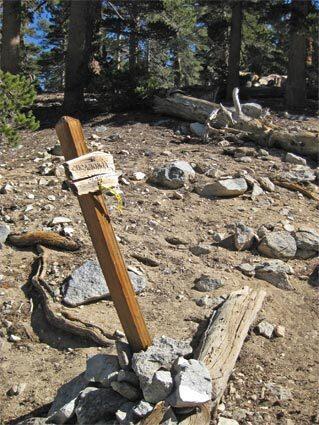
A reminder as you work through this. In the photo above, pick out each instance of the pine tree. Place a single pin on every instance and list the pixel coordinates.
(17, 94)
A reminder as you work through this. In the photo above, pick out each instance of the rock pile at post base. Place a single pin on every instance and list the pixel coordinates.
(124, 389)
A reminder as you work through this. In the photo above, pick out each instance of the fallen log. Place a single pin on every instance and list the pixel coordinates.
(261, 131)
(224, 336)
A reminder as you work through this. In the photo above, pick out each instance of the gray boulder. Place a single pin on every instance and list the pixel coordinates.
(174, 175)
(128, 376)
(275, 272)
(102, 368)
(126, 390)
(247, 269)
(244, 237)
(193, 385)
(94, 404)
(63, 405)
(207, 284)
(225, 188)
(307, 243)
(278, 245)
(300, 175)
(87, 284)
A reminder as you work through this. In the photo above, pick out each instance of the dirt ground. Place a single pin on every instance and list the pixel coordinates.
(45, 358)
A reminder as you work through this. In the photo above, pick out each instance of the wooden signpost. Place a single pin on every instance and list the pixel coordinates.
(95, 166)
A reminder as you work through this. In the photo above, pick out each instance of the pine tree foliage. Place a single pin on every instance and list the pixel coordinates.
(17, 95)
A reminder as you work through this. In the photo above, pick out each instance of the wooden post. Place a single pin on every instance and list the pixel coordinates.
(97, 219)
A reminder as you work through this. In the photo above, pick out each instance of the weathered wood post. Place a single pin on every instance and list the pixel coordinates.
(97, 219)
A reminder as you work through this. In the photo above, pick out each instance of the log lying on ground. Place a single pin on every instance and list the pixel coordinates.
(261, 131)
(223, 339)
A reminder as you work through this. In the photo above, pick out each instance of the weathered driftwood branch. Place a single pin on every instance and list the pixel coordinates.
(223, 339)
(261, 131)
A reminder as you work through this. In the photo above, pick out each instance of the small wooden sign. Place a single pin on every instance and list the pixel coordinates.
(89, 165)
(93, 184)
(91, 171)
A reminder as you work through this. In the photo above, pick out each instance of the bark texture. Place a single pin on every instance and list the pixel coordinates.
(296, 83)
(11, 25)
(83, 17)
(234, 48)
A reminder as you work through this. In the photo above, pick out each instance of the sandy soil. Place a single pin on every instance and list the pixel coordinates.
(45, 358)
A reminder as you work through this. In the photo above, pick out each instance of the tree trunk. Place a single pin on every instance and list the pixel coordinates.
(234, 48)
(296, 83)
(81, 29)
(132, 51)
(11, 25)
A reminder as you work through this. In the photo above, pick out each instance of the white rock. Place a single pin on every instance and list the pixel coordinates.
(265, 328)
(225, 188)
(295, 159)
(227, 421)
(142, 409)
(160, 388)
(102, 368)
(138, 176)
(192, 382)
(14, 338)
(59, 220)
(257, 191)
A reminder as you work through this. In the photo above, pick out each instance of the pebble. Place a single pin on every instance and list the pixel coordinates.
(265, 329)
(225, 188)
(279, 331)
(142, 409)
(4, 232)
(17, 389)
(51, 198)
(295, 159)
(138, 176)
(206, 284)
(14, 338)
(266, 184)
(59, 220)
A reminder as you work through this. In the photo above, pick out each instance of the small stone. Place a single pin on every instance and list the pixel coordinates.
(265, 328)
(51, 198)
(257, 191)
(102, 368)
(68, 231)
(125, 415)
(247, 269)
(279, 331)
(124, 354)
(128, 376)
(95, 404)
(59, 220)
(56, 150)
(63, 405)
(307, 243)
(192, 383)
(100, 128)
(207, 284)
(295, 159)
(138, 176)
(4, 232)
(14, 338)
(174, 175)
(227, 421)
(30, 196)
(126, 390)
(244, 237)
(252, 109)
(275, 272)
(175, 241)
(6, 188)
(160, 387)
(200, 249)
(207, 301)
(278, 391)
(197, 129)
(17, 389)
(266, 184)
(143, 408)
(177, 195)
(278, 245)
(225, 188)
(217, 236)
